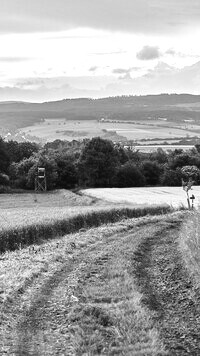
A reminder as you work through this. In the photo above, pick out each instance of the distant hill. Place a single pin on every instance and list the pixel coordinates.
(175, 107)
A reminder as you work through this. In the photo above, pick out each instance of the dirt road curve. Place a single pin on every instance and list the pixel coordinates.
(126, 294)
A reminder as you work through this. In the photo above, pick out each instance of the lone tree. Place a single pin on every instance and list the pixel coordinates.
(98, 162)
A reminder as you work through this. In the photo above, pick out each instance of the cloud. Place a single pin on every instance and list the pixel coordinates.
(141, 16)
(15, 59)
(162, 79)
(148, 53)
(108, 53)
(125, 70)
(93, 69)
(171, 51)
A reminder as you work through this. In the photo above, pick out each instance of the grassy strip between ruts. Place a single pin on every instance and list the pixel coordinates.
(16, 238)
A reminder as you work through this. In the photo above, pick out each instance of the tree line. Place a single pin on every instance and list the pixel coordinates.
(93, 163)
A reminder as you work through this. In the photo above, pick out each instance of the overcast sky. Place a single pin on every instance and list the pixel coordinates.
(54, 49)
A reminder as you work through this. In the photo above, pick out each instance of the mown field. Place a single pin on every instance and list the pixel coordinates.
(124, 280)
(174, 196)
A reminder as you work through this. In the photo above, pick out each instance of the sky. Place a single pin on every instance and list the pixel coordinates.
(56, 49)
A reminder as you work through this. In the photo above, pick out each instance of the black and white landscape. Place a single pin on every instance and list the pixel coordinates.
(99, 177)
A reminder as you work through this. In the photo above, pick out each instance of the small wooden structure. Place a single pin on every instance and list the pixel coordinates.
(40, 180)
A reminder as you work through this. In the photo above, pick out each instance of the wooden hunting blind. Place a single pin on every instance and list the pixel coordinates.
(40, 180)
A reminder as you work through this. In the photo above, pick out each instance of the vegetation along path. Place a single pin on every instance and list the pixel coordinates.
(120, 289)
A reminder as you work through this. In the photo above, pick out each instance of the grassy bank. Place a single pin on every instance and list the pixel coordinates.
(12, 237)
(189, 244)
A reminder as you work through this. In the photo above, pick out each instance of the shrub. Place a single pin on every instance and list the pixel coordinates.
(129, 175)
(98, 162)
(171, 178)
(4, 189)
(4, 179)
(190, 172)
(151, 171)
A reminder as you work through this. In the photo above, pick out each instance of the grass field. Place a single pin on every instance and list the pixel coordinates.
(174, 196)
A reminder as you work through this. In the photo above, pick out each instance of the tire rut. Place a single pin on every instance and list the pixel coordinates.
(31, 336)
(168, 291)
(46, 319)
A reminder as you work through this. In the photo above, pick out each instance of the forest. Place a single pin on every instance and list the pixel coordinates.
(93, 163)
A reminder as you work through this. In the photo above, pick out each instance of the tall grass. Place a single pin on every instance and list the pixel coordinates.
(189, 243)
(17, 237)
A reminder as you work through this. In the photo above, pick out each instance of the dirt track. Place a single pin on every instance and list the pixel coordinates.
(84, 307)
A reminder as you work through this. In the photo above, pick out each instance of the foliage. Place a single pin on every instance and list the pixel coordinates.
(151, 171)
(95, 163)
(4, 179)
(19, 151)
(98, 162)
(184, 159)
(129, 175)
(191, 172)
(67, 172)
(4, 157)
(171, 178)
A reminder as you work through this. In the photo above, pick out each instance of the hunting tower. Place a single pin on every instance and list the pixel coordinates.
(40, 180)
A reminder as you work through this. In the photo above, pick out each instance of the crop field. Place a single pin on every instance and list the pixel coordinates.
(51, 129)
(174, 196)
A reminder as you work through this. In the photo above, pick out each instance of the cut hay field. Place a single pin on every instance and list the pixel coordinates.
(174, 196)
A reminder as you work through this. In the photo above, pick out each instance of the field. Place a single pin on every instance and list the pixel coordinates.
(66, 129)
(174, 196)
(123, 281)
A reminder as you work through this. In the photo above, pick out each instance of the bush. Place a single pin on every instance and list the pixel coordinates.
(5, 189)
(171, 178)
(98, 163)
(4, 179)
(190, 172)
(151, 171)
(129, 175)
(67, 174)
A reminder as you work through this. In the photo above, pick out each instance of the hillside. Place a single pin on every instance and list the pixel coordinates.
(175, 107)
